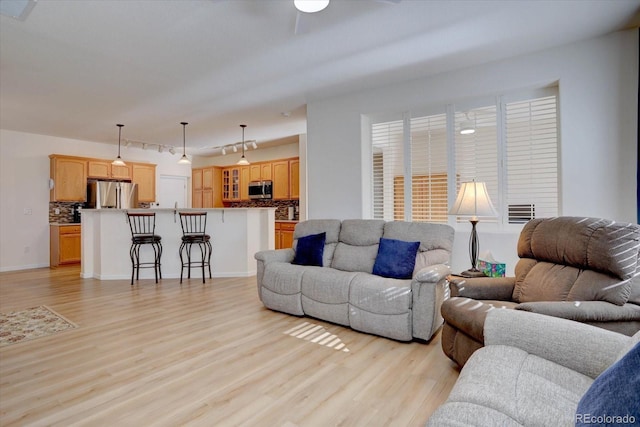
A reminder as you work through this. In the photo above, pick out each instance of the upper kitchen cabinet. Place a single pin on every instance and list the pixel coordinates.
(69, 178)
(294, 179)
(231, 184)
(245, 178)
(144, 175)
(286, 179)
(206, 184)
(280, 170)
(103, 169)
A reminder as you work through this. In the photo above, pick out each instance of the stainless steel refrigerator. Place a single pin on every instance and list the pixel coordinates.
(112, 194)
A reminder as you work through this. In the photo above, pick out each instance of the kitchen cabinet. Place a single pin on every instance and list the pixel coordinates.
(69, 178)
(245, 178)
(206, 192)
(255, 172)
(280, 170)
(265, 171)
(64, 244)
(294, 179)
(103, 169)
(284, 234)
(196, 188)
(231, 184)
(144, 175)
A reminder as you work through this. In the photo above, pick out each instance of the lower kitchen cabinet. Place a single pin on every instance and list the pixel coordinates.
(64, 244)
(284, 234)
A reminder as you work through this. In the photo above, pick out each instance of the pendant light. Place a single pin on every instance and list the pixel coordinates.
(118, 161)
(184, 160)
(243, 160)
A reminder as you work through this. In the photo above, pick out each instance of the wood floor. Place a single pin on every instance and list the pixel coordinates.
(202, 355)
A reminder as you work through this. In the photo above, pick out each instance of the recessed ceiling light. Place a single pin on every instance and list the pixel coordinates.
(310, 6)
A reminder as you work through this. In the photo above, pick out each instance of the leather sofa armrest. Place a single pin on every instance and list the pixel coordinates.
(577, 346)
(491, 288)
(275, 255)
(584, 311)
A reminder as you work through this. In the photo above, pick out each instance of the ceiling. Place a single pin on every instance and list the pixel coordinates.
(74, 69)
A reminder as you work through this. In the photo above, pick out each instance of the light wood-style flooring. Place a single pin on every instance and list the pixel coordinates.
(202, 355)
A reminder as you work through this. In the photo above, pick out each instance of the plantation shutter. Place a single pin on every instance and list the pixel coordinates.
(429, 169)
(532, 159)
(476, 155)
(388, 170)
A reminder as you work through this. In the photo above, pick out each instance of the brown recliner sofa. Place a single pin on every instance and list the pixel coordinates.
(582, 269)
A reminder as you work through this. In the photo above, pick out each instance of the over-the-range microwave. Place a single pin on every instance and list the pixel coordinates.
(260, 189)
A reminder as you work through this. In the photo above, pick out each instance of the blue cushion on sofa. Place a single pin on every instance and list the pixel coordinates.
(614, 395)
(310, 249)
(396, 258)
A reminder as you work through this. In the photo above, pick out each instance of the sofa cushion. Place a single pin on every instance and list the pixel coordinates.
(310, 249)
(614, 393)
(585, 243)
(327, 285)
(524, 387)
(436, 240)
(395, 259)
(380, 295)
(283, 278)
(358, 245)
(316, 226)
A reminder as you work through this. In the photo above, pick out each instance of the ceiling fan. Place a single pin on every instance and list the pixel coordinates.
(308, 7)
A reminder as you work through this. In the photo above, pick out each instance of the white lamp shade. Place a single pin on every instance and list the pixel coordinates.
(310, 6)
(473, 201)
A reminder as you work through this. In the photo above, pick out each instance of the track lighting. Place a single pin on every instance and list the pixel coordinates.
(172, 150)
(144, 145)
(160, 148)
(254, 145)
(224, 151)
(235, 149)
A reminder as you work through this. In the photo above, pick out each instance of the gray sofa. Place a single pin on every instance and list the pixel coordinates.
(344, 291)
(534, 370)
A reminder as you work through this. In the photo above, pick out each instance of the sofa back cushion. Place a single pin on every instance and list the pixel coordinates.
(436, 240)
(358, 245)
(576, 259)
(316, 226)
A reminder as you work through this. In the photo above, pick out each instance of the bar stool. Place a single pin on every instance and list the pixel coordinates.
(194, 225)
(143, 229)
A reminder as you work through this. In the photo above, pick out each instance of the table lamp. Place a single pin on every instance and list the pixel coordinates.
(473, 201)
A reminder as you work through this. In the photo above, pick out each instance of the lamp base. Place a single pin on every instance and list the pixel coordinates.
(473, 272)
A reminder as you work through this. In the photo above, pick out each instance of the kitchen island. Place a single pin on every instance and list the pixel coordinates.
(236, 235)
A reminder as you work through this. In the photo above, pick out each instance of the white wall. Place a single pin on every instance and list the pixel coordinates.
(598, 84)
(24, 175)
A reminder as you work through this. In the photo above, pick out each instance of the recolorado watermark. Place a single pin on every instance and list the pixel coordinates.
(605, 419)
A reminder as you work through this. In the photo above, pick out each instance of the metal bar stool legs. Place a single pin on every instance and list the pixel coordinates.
(142, 227)
(193, 233)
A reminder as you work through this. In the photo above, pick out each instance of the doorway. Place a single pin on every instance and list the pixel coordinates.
(172, 192)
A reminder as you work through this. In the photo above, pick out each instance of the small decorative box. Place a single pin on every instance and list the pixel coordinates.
(492, 268)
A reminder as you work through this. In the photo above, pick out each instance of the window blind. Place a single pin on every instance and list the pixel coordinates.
(476, 155)
(532, 159)
(388, 164)
(429, 176)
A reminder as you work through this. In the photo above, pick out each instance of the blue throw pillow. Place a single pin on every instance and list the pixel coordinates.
(614, 397)
(310, 249)
(396, 258)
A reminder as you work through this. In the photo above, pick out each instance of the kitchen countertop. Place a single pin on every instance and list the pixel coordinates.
(64, 223)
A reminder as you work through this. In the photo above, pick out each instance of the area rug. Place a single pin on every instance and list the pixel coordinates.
(36, 322)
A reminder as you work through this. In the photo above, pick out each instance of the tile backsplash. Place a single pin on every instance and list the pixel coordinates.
(65, 214)
(282, 207)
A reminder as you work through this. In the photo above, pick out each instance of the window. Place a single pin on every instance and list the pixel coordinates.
(514, 150)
